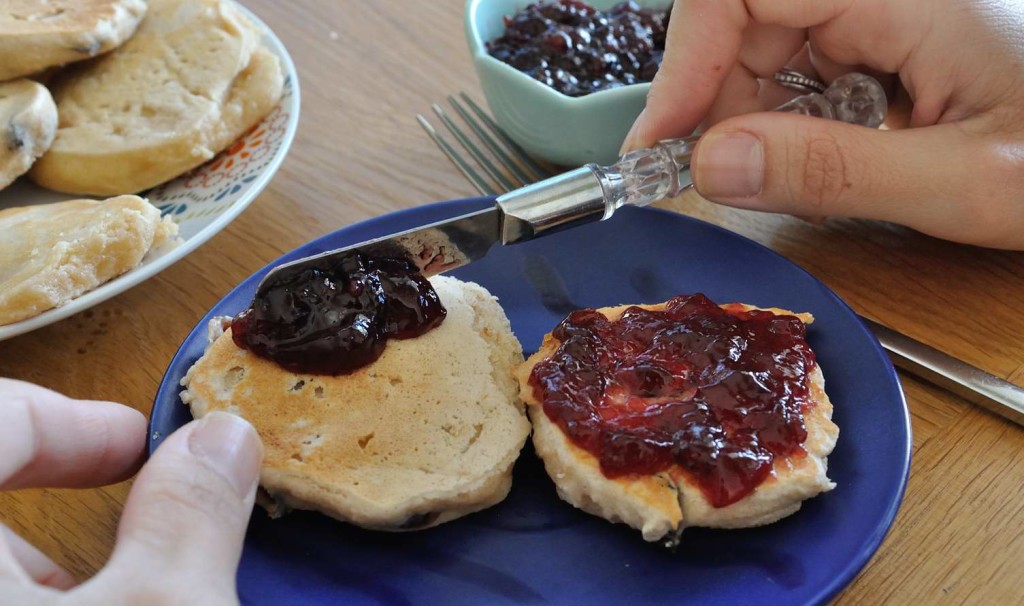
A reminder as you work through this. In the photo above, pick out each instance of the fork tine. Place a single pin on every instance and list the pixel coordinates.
(540, 172)
(491, 144)
(479, 182)
(473, 150)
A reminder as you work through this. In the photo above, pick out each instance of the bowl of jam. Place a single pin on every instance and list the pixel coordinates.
(566, 79)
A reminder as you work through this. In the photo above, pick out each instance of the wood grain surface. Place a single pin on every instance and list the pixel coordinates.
(365, 69)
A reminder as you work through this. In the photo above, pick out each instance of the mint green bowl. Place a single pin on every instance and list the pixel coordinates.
(570, 131)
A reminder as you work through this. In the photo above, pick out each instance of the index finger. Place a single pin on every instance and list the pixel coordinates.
(47, 439)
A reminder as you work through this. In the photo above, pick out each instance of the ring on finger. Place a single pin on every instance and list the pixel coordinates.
(790, 78)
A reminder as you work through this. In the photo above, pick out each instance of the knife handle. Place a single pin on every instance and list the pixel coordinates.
(969, 382)
(663, 171)
(593, 192)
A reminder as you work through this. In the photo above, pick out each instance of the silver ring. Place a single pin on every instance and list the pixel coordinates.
(791, 78)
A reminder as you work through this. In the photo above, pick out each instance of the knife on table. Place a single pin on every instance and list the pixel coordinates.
(593, 193)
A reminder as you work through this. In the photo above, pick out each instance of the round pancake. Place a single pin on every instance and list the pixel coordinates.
(427, 433)
(28, 121)
(191, 81)
(52, 253)
(38, 35)
(661, 505)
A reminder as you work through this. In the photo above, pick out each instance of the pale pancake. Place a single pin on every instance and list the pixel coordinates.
(28, 121)
(36, 35)
(663, 504)
(52, 253)
(191, 81)
(427, 433)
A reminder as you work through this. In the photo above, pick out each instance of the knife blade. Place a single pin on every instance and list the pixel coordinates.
(433, 248)
(563, 201)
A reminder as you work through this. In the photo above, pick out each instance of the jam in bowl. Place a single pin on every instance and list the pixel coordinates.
(599, 94)
(578, 49)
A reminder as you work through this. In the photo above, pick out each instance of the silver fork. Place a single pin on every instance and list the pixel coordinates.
(521, 168)
(518, 169)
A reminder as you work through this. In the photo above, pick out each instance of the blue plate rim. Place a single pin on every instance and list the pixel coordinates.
(827, 592)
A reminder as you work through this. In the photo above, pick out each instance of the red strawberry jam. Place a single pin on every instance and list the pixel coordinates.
(720, 393)
(334, 317)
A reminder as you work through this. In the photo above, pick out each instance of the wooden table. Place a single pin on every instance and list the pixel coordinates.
(366, 68)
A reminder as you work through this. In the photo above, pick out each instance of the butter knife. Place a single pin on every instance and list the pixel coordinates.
(589, 193)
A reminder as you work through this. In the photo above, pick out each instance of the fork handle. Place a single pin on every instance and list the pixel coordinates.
(593, 192)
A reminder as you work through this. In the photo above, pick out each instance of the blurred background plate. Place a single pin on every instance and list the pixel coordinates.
(533, 548)
(202, 202)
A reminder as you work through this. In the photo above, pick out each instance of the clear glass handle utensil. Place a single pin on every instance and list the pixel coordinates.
(644, 176)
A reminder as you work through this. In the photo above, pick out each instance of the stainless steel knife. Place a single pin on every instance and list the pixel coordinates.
(592, 192)
(587, 194)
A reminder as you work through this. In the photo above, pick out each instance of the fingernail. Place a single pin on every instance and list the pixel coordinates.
(729, 166)
(629, 143)
(230, 446)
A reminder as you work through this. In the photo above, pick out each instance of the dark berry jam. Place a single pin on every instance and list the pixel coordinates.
(718, 392)
(336, 316)
(577, 49)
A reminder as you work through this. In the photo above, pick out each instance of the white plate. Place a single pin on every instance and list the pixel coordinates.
(202, 202)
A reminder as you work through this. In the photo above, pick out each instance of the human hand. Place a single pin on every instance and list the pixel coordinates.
(180, 535)
(957, 172)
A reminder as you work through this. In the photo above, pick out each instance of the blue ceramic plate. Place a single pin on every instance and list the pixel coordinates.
(533, 548)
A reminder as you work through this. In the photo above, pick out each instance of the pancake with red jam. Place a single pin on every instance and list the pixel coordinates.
(681, 414)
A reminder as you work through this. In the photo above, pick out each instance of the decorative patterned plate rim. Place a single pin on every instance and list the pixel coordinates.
(164, 259)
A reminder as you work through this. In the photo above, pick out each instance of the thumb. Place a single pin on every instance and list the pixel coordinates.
(946, 180)
(184, 521)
